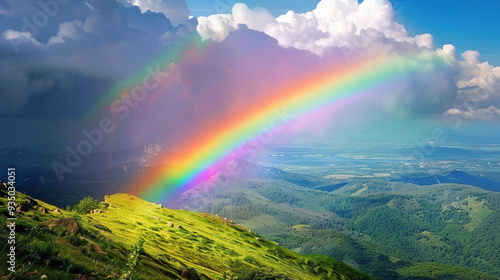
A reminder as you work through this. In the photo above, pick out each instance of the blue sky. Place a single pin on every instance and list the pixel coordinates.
(467, 24)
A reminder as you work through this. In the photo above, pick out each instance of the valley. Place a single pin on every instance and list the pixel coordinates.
(386, 229)
(424, 225)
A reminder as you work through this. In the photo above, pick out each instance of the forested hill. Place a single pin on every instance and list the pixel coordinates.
(390, 230)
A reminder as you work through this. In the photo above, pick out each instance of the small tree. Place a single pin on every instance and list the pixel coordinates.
(86, 205)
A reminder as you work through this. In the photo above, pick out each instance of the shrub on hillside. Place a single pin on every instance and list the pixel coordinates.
(261, 274)
(86, 205)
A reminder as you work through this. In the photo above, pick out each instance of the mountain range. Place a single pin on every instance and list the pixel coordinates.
(457, 177)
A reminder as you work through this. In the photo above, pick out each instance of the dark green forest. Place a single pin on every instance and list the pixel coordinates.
(389, 230)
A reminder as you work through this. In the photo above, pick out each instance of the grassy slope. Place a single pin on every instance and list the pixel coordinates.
(207, 247)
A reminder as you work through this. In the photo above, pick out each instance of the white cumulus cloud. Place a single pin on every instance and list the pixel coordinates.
(334, 23)
(483, 114)
(478, 80)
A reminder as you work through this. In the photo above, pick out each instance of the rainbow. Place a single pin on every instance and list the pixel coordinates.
(194, 161)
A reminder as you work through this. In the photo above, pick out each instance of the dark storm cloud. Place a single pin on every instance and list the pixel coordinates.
(58, 57)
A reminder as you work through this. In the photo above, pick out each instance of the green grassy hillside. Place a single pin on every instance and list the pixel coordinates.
(134, 239)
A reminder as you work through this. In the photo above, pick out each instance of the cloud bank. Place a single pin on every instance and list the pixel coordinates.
(367, 29)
